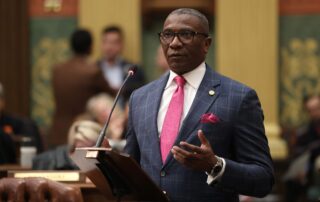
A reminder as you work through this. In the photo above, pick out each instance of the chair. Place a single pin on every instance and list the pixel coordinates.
(37, 189)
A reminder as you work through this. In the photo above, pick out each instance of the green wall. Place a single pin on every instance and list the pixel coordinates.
(299, 71)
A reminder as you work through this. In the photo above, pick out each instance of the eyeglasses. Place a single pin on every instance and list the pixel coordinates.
(185, 36)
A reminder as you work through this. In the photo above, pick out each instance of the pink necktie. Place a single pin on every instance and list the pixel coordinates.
(171, 124)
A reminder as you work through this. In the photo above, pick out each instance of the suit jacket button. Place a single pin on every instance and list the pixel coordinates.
(163, 173)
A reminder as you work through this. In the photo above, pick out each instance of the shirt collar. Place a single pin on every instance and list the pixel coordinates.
(193, 77)
(117, 63)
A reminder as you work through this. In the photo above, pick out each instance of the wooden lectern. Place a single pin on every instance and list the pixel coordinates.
(116, 175)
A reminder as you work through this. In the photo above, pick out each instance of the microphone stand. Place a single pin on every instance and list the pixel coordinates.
(116, 175)
(104, 129)
(118, 190)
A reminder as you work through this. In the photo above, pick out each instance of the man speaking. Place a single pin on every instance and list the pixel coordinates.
(199, 135)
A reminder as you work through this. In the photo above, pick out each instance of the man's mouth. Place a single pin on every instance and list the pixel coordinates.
(176, 56)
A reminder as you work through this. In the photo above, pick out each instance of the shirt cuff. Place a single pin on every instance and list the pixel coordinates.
(213, 179)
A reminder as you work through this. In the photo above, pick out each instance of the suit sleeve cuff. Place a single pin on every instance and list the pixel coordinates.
(214, 179)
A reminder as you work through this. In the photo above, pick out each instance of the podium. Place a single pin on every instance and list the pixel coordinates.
(116, 175)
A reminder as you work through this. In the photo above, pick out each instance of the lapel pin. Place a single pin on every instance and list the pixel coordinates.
(211, 92)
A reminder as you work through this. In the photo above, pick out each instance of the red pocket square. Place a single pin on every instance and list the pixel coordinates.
(209, 118)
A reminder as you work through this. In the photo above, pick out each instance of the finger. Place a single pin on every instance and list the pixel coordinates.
(181, 159)
(193, 148)
(178, 157)
(203, 138)
(182, 152)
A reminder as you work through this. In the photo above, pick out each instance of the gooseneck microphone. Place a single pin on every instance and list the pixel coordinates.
(132, 70)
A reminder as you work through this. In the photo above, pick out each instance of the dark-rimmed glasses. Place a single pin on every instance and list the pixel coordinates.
(186, 36)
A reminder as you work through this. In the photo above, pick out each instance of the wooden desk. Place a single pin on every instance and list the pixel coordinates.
(88, 189)
(89, 192)
(7, 167)
(12, 167)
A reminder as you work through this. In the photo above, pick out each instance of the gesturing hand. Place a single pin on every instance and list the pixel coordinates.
(198, 158)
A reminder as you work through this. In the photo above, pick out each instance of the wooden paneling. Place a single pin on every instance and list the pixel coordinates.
(14, 64)
(96, 14)
(247, 44)
(150, 6)
(298, 7)
(247, 47)
(60, 8)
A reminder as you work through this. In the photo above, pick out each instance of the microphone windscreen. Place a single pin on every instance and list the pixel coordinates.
(133, 70)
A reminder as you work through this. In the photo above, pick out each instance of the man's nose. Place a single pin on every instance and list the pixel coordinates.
(175, 43)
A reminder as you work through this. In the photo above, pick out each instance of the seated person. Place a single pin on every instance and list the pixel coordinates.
(309, 137)
(313, 175)
(308, 140)
(83, 133)
(99, 107)
(161, 61)
(17, 128)
(7, 149)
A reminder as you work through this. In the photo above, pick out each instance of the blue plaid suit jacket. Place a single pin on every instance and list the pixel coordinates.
(239, 138)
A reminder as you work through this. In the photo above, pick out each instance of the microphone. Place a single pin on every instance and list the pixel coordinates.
(132, 70)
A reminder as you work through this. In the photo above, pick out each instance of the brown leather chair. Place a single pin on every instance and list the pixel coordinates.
(37, 189)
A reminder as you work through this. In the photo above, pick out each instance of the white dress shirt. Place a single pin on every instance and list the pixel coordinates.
(113, 74)
(193, 81)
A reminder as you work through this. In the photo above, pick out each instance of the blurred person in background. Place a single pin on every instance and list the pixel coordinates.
(313, 137)
(161, 61)
(99, 108)
(74, 82)
(313, 175)
(310, 134)
(299, 175)
(83, 133)
(7, 146)
(13, 131)
(114, 66)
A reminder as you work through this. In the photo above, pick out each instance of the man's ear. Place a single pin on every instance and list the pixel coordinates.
(206, 44)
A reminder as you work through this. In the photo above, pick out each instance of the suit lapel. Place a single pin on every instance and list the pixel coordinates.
(201, 103)
(154, 100)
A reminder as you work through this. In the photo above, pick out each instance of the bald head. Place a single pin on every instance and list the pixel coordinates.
(189, 11)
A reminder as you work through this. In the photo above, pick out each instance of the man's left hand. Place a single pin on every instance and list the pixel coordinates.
(198, 158)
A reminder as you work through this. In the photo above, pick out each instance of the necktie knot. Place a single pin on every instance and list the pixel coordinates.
(180, 81)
